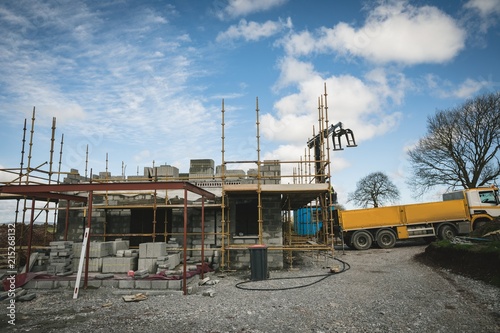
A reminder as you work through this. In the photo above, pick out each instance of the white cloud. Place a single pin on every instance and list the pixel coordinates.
(7, 176)
(485, 7)
(469, 88)
(358, 103)
(447, 89)
(237, 8)
(253, 31)
(489, 13)
(393, 32)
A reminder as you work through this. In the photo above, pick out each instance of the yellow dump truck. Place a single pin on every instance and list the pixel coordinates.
(458, 214)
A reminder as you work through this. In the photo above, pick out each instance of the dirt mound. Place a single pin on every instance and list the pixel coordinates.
(480, 261)
(487, 228)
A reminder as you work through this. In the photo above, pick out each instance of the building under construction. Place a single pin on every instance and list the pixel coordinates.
(212, 214)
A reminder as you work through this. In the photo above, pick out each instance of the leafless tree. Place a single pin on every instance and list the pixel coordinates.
(461, 147)
(374, 190)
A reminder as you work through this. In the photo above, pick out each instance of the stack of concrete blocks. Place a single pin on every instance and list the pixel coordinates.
(173, 257)
(149, 254)
(125, 261)
(271, 172)
(60, 258)
(168, 262)
(97, 252)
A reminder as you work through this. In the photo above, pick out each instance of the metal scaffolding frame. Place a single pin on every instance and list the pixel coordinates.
(310, 186)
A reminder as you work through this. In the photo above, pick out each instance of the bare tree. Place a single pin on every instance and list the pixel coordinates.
(461, 147)
(374, 190)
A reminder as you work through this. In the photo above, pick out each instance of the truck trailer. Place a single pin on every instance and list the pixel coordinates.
(459, 213)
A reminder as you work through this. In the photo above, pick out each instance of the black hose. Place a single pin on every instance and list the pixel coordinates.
(345, 267)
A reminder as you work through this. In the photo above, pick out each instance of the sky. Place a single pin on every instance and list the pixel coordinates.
(142, 82)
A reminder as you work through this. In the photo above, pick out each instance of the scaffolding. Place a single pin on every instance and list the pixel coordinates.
(308, 187)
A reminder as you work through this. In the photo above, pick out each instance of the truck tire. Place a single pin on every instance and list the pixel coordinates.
(479, 223)
(447, 232)
(361, 240)
(386, 239)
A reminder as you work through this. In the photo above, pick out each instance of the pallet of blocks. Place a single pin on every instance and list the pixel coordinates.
(60, 258)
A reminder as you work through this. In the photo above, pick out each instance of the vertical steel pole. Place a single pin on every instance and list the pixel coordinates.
(184, 273)
(202, 237)
(32, 219)
(66, 220)
(89, 220)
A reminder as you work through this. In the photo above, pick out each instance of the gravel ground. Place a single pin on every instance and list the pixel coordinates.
(383, 291)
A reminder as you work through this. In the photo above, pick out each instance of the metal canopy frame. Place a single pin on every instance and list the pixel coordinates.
(60, 192)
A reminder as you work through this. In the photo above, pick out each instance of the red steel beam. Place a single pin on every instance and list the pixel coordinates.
(52, 189)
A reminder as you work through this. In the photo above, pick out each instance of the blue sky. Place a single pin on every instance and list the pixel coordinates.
(143, 81)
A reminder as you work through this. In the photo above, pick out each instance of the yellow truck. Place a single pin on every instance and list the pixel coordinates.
(458, 214)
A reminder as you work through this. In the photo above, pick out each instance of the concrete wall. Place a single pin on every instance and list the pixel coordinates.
(211, 241)
(272, 234)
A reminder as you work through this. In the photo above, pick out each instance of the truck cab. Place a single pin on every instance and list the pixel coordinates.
(484, 203)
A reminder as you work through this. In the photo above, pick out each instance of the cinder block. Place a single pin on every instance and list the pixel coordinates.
(147, 264)
(143, 284)
(45, 284)
(119, 264)
(72, 283)
(143, 250)
(97, 249)
(62, 284)
(159, 284)
(126, 284)
(94, 283)
(155, 250)
(118, 245)
(95, 264)
(110, 283)
(175, 284)
(30, 285)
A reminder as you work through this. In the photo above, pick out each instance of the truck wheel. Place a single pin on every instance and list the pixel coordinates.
(479, 223)
(361, 240)
(386, 239)
(447, 232)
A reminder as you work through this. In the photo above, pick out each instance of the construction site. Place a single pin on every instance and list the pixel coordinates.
(160, 229)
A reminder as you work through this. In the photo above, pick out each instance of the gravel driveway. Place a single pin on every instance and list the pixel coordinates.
(383, 291)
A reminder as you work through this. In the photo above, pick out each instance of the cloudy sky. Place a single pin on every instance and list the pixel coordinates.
(143, 81)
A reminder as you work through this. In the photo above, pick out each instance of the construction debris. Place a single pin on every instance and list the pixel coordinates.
(209, 292)
(20, 294)
(134, 298)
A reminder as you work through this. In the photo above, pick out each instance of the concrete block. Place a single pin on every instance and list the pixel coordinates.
(175, 284)
(155, 250)
(118, 245)
(143, 250)
(97, 249)
(61, 245)
(126, 284)
(110, 283)
(30, 285)
(147, 264)
(95, 264)
(143, 284)
(72, 283)
(131, 253)
(62, 284)
(45, 284)
(94, 283)
(119, 264)
(159, 284)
